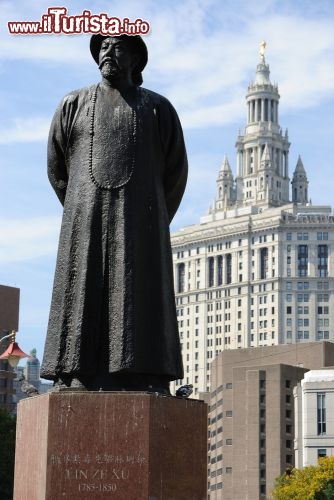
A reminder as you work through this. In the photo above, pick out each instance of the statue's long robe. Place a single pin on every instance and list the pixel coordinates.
(113, 308)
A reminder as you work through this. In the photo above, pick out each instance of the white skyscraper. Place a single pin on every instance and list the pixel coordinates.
(258, 269)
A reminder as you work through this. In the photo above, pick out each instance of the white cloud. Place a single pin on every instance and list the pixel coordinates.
(212, 115)
(202, 53)
(207, 74)
(25, 130)
(27, 239)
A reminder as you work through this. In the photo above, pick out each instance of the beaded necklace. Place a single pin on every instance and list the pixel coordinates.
(98, 184)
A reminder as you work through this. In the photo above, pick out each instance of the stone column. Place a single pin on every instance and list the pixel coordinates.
(262, 110)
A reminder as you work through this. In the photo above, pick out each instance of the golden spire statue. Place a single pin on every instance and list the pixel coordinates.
(262, 51)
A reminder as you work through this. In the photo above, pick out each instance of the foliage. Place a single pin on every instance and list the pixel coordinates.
(7, 454)
(327, 493)
(309, 483)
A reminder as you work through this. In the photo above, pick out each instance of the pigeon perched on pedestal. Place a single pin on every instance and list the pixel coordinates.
(184, 391)
(28, 389)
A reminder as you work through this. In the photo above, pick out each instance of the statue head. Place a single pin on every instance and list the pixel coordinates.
(135, 46)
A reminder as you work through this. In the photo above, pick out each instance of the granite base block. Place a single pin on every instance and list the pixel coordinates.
(101, 445)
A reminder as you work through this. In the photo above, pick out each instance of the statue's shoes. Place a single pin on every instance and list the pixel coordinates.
(68, 384)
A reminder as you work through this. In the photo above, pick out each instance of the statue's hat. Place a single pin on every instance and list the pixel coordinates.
(139, 46)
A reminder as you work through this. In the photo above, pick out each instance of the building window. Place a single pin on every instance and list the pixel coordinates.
(220, 270)
(228, 442)
(262, 489)
(322, 260)
(264, 263)
(321, 413)
(303, 285)
(322, 452)
(211, 271)
(322, 335)
(303, 297)
(228, 268)
(302, 260)
(303, 322)
(322, 236)
(180, 277)
(289, 236)
(303, 334)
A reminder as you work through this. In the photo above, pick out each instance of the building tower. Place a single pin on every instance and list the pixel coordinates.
(299, 184)
(225, 187)
(262, 152)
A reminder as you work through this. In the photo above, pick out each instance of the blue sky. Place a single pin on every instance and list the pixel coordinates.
(202, 56)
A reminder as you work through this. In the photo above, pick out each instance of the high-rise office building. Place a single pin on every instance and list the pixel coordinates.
(252, 416)
(32, 369)
(258, 269)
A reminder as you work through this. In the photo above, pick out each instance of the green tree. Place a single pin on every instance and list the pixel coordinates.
(7, 454)
(327, 493)
(309, 483)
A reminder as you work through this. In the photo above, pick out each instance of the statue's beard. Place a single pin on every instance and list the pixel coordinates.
(109, 69)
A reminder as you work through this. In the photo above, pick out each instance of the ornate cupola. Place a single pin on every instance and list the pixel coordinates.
(262, 152)
(299, 184)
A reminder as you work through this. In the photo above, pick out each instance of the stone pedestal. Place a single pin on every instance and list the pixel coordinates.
(112, 445)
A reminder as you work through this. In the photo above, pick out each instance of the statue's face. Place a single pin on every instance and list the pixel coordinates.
(116, 58)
